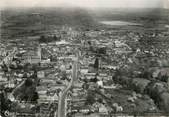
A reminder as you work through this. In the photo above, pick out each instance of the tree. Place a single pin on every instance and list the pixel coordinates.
(101, 50)
(4, 68)
(90, 99)
(5, 103)
(96, 64)
(35, 97)
(42, 39)
(56, 38)
(28, 82)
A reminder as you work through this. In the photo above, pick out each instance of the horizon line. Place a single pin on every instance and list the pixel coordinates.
(27, 7)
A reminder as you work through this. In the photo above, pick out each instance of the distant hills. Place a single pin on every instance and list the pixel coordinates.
(36, 21)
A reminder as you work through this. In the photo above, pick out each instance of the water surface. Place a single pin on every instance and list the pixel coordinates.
(118, 23)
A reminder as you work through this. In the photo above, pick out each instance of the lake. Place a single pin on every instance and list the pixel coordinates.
(167, 26)
(119, 23)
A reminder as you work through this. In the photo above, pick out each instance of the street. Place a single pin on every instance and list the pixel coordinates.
(62, 98)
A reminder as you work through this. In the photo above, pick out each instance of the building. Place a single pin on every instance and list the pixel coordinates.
(31, 57)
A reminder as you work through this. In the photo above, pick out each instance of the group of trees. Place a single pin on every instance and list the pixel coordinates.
(26, 91)
(5, 103)
(47, 39)
(155, 89)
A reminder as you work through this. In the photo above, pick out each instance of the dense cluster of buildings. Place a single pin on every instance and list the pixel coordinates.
(34, 75)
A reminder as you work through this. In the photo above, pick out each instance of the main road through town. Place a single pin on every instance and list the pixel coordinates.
(62, 97)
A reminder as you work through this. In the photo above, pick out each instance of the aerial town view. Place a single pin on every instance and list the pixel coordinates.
(77, 62)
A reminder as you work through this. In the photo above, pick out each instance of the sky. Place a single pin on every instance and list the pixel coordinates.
(86, 3)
